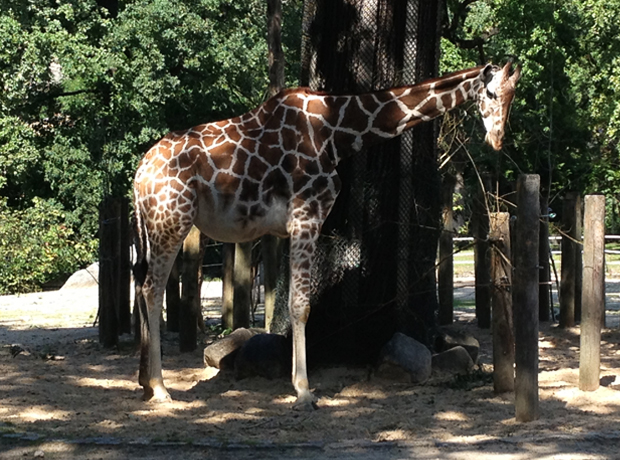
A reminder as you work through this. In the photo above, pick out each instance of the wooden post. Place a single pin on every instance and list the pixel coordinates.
(525, 284)
(242, 282)
(125, 269)
(228, 288)
(501, 274)
(544, 278)
(482, 259)
(567, 283)
(271, 247)
(593, 297)
(445, 276)
(109, 271)
(578, 256)
(173, 295)
(190, 293)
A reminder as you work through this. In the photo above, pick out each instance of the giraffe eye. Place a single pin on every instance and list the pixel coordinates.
(491, 95)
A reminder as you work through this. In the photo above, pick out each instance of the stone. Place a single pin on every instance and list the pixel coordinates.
(404, 359)
(450, 338)
(455, 361)
(221, 354)
(264, 355)
(86, 278)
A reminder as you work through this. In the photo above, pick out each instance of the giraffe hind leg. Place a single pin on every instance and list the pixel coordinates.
(159, 267)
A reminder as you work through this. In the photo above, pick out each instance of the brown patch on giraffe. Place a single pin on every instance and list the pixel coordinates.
(354, 118)
(222, 159)
(295, 101)
(234, 134)
(300, 180)
(226, 183)
(275, 184)
(257, 211)
(310, 167)
(289, 139)
(387, 115)
(205, 170)
(239, 165)
(290, 117)
(257, 168)
(249, 190)
(271, 155)
(289, 163)
(318, 107)
(466, 86)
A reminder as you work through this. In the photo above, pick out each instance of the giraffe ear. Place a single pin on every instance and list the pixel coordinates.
(516, 75)
(487, 73)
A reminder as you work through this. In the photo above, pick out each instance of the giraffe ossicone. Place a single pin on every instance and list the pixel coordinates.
(273, 171)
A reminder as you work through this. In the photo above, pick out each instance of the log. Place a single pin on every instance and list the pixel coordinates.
(593, 295)
(501, 302)
(525, 284)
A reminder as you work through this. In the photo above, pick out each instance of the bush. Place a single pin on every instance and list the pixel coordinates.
(37, 246)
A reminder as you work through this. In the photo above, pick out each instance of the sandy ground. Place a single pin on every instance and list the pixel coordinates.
(64, 396)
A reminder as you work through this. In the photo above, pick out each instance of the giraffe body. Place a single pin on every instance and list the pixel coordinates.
(273, 171)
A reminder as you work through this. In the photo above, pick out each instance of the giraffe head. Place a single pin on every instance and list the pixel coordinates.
(494, 100)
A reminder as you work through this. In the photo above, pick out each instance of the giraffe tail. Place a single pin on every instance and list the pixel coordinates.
(141, 266)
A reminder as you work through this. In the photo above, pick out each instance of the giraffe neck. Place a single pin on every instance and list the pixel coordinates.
(359, 121)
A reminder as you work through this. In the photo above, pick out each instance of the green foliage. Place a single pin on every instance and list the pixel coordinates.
(566, 116)
(36, 245)
(84, 95)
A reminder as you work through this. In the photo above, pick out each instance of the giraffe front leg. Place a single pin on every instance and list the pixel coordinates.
(302, 251)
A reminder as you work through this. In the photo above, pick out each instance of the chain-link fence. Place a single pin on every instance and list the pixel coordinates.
(371, 277)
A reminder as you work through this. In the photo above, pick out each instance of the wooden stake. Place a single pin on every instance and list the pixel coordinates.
(525, 284)
(190, 294)
(593, 296)
(228, 288)
(501, 301)
(569, 252)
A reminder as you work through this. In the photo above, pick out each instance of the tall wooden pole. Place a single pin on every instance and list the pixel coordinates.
(569, 251)
(544, 287)
(173, 295)
(501, 301)
(445, 277)
(482, 258)
(228, 288)
(242, 282)
(593, 296)
(109, 271)
(190, 294)
(525, 284)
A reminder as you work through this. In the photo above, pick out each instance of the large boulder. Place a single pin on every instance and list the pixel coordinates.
(221, 354)
(86, 278)
(405, 359)
(450, 338)
(264, 355)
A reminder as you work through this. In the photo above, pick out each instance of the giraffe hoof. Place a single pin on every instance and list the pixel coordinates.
(305, 404)
(156, 395)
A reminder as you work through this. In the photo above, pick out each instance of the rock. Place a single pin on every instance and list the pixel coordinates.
(450, 338)
(456, 361)
(88, 277)
(405, 359)
(264, 355)
(221, 354)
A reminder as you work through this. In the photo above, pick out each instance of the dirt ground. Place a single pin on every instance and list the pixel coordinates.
(64, 396)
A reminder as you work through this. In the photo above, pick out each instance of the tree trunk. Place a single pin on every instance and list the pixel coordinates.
(544, 287)
(482, 257)
(173, 295)
(109, 271)
(228, 287)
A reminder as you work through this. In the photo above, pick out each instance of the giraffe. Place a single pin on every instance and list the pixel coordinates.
(273, 171)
